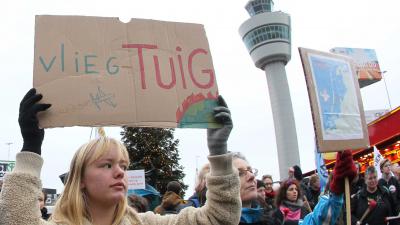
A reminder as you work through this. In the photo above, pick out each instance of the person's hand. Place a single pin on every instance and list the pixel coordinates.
(217, 137)
(344, 167)
(29, 123)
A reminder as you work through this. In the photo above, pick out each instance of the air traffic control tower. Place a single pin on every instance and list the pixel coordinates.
(267, 38)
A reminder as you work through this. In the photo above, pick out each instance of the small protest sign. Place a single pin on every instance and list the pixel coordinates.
(335, 99)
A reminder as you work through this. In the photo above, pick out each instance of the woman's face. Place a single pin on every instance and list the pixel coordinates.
(268, 185)
(261, 192)
(292, 193)
(104, 180)
(386, 168)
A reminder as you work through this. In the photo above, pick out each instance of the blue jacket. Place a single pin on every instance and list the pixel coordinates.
(326, 211)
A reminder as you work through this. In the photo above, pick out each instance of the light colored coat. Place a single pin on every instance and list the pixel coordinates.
(19, 197)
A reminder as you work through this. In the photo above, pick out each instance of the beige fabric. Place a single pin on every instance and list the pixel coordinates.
(19, 197)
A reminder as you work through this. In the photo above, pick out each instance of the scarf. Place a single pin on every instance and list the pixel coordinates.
(251, 215)
(270, 194)
(291, 210)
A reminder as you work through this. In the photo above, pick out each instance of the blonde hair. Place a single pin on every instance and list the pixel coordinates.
(71, 208)
(201, 178)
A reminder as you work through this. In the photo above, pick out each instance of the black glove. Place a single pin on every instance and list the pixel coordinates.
(29, 123)
(217, 137)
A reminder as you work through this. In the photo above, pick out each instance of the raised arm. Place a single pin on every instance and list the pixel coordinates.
(328, 207)
(223, 204)
(21, 189)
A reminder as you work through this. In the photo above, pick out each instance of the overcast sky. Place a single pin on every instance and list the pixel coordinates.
(316, 24)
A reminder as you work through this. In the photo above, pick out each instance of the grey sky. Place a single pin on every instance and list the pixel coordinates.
(316, 24)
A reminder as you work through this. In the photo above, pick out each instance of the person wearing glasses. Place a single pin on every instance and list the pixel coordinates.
(252, 211)
(326, 211)
(269, 191)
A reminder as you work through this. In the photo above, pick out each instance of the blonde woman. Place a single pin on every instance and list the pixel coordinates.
(95, 192)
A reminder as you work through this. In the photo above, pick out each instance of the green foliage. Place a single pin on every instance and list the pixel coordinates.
(155, 151)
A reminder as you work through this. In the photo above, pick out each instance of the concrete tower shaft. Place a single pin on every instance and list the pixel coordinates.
(267, 38)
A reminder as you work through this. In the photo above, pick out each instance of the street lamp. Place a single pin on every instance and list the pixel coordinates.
(9, 148)
(387, 92)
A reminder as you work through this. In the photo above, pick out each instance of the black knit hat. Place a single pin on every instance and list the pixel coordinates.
(260, 183)
(174, 186)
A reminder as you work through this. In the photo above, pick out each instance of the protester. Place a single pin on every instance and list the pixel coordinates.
(289, 203)
(372, 192)
(199, 197)
(327, 210)
(42, 202)
(95, 192)
(395, 168)
(172, 203)
(358, 182)
(252, 211)
(261, 189)
(298, 175)
(269, 191)
(314, 191)
(389, 181)
(261, 196)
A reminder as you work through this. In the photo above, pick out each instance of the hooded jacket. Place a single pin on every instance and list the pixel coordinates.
(172, 204)
(18, 200)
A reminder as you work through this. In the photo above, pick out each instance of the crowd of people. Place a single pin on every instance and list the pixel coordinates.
(226, 190)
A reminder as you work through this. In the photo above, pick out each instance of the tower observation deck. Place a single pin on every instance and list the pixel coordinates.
(267, 38)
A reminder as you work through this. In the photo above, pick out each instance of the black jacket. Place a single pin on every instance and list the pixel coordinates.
(392, 181)
(385, 207)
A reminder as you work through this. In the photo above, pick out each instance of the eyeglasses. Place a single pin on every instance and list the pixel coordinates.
(243, 172)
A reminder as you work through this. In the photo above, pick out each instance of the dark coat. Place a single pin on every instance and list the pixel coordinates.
(392, 181)
(171, 204)
(385, 207)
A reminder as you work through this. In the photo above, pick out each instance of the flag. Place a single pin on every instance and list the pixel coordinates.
(321, 169)
(377, 159)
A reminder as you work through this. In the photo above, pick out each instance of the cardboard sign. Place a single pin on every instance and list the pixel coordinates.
(103, 72)
(136, 179)
(335, 99)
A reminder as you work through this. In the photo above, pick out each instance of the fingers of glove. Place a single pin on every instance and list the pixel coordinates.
(28, 94)
(221, 101)
(218, 109)
(40, 107)
(27, 104)
(223, 117)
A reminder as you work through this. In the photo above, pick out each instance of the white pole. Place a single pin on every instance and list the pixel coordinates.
(9, 148)
(387, 92)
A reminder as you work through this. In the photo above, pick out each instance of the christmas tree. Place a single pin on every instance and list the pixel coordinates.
(155, 151)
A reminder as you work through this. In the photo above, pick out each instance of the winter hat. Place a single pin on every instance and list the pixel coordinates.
(260, 183)
(298, 174)
(174, 186)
